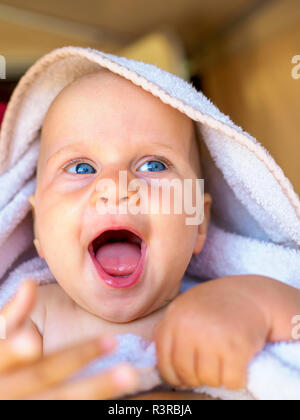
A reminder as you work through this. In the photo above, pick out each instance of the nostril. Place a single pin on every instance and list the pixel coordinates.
(105, 199)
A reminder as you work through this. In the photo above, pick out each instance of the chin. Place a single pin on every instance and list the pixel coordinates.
(118, 318)
(113, 313)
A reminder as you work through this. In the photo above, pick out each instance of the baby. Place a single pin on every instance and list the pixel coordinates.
(122, 273)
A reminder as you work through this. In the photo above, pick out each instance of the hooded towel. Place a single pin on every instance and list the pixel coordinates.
(255, 223)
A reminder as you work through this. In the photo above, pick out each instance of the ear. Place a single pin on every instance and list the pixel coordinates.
(203, 228)
(36, 241)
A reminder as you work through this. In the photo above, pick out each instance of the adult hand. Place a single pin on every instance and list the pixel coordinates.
(25, 374)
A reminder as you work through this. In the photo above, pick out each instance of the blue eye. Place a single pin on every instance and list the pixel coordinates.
(82, 168)
(154, 166)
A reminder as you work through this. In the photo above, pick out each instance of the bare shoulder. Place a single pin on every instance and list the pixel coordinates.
(47, 296)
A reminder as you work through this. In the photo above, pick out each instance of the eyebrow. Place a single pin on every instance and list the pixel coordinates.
(78, 145)
(64, 149)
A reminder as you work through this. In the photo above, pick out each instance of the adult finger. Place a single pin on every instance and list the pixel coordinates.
(21, 349)
(16, 311)
(117, 383)
(51, 369)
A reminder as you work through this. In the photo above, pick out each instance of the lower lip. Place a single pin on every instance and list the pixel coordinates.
(120, 282)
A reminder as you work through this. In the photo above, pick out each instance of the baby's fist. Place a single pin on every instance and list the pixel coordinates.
(209, 335)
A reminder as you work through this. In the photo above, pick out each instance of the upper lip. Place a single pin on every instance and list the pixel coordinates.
(116, 228)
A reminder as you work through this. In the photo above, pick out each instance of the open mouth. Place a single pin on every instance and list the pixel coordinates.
(118, 255)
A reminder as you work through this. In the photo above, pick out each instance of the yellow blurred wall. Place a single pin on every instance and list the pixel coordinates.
(255, 87)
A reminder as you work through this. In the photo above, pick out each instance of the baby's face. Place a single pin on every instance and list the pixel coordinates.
(107, 124)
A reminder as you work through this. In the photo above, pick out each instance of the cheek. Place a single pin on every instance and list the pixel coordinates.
(57, 212)
(58, 231)
(172, 242)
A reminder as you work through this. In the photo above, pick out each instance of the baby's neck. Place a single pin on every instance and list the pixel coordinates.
(67, 324)
(143, 327)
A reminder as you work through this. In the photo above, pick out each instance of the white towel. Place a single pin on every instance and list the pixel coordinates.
(255, 226)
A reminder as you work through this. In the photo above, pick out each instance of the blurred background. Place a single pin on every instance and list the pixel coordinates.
(240, 53)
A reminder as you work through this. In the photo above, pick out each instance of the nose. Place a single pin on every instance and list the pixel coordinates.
(112, 190)
(109, 198)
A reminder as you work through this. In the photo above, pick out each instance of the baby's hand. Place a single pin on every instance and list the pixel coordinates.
(210, 333)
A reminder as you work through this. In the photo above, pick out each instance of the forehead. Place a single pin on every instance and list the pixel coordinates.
(103, 106)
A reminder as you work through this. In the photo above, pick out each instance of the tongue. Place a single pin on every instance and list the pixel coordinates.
(119, 258)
